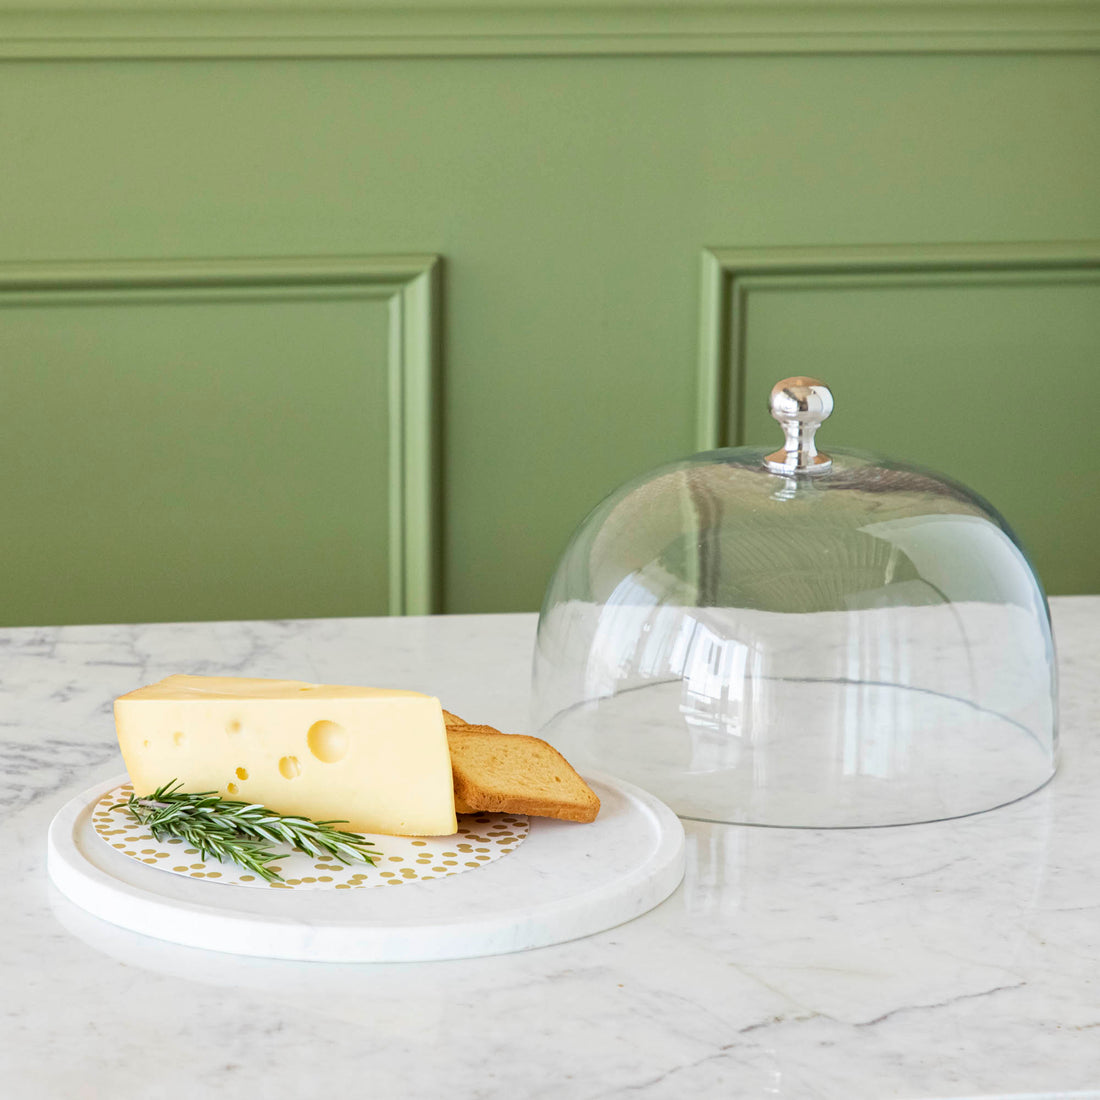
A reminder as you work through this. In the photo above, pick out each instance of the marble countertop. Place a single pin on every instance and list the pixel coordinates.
(957, 959)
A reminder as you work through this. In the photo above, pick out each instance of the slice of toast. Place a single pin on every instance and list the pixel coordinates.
(450, 720)
(498, 772)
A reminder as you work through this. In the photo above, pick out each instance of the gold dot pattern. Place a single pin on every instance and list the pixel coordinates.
(481, 839)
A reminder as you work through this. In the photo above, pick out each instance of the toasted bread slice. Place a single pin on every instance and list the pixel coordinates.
(450, 719)
(498, 772)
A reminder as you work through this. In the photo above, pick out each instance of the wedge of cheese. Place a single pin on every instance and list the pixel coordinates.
(375, 758)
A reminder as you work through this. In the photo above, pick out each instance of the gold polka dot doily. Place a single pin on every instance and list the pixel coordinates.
(481, 839)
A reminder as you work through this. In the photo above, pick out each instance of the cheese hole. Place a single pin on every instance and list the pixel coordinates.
(232, 788)
(178, 738)
(145, 744)
(233, 726)
(328, 741)
(289, 768)
(242, 773)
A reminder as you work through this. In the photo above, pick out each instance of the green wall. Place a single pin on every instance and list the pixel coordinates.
(336, 335)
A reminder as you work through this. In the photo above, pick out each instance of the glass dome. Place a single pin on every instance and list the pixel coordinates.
(800, 639)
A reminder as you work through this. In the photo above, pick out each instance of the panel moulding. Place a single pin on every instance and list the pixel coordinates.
(730, 276)
(408, 284)
(427, 28)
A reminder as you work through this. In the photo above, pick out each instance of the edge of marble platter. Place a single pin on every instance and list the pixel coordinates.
(565, 882)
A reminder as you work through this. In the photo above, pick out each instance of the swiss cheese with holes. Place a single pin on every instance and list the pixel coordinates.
(372, 757)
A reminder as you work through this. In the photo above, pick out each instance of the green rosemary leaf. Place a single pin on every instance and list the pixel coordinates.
(239, 832)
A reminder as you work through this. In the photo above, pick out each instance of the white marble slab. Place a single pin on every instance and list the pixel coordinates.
(562, 882)
(957, 959)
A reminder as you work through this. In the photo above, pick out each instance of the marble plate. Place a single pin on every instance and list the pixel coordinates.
(565, 881)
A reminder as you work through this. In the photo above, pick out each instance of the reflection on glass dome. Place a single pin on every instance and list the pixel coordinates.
(864, 646)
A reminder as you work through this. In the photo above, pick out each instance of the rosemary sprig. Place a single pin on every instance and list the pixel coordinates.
(240, 831)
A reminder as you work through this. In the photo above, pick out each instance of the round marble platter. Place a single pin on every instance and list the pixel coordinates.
(562, 882)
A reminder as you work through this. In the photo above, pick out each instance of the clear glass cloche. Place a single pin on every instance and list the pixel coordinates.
(800, 639)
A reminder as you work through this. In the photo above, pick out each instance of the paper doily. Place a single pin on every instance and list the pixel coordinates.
(481, 839)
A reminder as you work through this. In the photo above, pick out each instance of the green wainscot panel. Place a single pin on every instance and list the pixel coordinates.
(986, 378)
(194, 455)
(571, 197)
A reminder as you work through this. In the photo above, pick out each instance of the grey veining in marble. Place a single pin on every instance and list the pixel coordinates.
(956, 959)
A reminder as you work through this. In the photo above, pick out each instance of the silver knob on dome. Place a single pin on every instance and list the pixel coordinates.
(800, 405)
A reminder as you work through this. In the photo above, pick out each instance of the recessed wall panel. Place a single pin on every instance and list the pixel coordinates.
(973, 372)
(202, 451)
